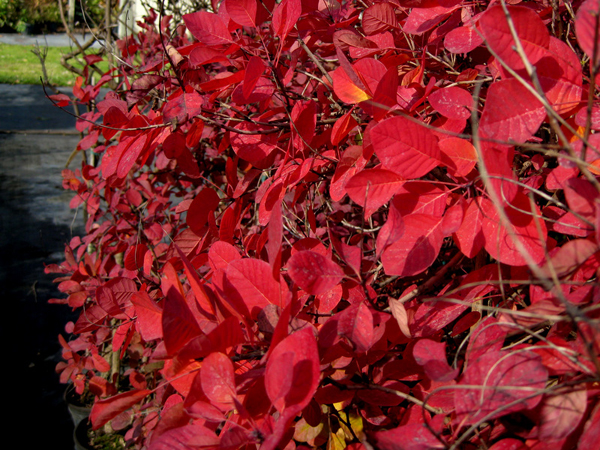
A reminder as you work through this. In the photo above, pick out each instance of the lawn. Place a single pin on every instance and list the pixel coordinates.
(18, 65)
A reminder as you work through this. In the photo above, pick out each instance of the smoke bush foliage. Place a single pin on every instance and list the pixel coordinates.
(351, 224)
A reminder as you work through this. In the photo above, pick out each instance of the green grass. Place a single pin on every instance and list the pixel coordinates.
(18, 65)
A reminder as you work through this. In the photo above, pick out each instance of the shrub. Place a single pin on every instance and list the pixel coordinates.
(362, 225)
(14, 14)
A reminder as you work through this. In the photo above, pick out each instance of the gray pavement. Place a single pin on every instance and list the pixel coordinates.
(24, 108)
(36, 139)
(50, 40)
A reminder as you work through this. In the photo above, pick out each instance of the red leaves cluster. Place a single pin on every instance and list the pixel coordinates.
(355, 224)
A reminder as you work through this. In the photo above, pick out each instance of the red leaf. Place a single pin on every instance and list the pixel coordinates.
(405, 147)
(179, 325)
(370, 72)
(327, 302)
(348, 89)
(208, 28)
(251, 281)
(560, 77)
(379, 18)
(586, 22)
(204, 204)
(61, 100)
(459, 155)
(420, 197)
(242, 12)
(511, 112)
(499, 379)
(175, 147)
(218, 380)
(253, 147)
(107, 409)
(292, 373)
(591, 431)
(452, 102)
(391, 231)
(149, 316)
(560, 414)
(342, 127)
(569, 257)
(532, 33)
(179, 109)
(197, 285)
(421, 20)
(581, 197)
(254, 71)
(399, 312)
(220, 254)
(462, 40)
(130, 155)
(285, 16)
(356, 324)
(304, 118)
(509, 444)
(279, 385)
(358, 45)
(432, 356)
(499, 242)
(414, 436)
(373, 188)
(418, 248)
(313, 272)
(352, 161)
(185, 437)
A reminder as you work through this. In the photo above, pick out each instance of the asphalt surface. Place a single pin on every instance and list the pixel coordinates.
(50, 40)
(36, 139)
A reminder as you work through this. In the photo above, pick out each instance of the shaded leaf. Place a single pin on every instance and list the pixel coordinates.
(586, 22)
(413, 436)
(255, 69)
(500, 383)
(292, 373)
(313, 272)
(417, 249)
(500, 241)
(372, 188)
(432, 356)
(250, 281)
(109, 408)
(285, 16)
(204, 204)
(356, 324)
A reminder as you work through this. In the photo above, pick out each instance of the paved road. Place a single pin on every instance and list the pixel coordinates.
(25, 107)
(35, 223)
(36, 139)
(50, 40)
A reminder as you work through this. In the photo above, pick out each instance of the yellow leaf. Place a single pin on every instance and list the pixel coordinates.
(337, 441)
